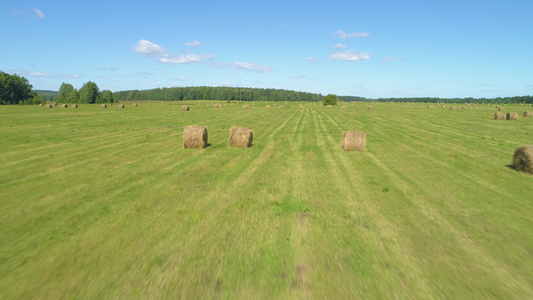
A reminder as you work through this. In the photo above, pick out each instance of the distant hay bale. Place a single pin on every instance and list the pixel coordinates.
(241, 137)
(195, 137)
(231, 104)
(185, 108)
(369, 107)
(74, 105)
(268, 106)
(149, 104)
(64, 106)
(523, 159)
(353, 141)
(281, 106)
(499, 116)
(463, 107)
(121, 106)
(207, 104)
(430, 106)
(328, 106)
(452, 107)
(528, 114)
(55, 104)
(444, 106)
(49, 106)
(103, 105)
(344, 107)
(40, 104)
(301, 106)
(246, 106)
(512, 116)
(134, 104)
(500, 108)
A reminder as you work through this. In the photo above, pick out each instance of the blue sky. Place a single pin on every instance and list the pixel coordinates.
(360, 48)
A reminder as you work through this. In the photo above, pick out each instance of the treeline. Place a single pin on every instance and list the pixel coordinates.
(50, 96)
(499, 100)
(15, 89)
(216, 93)
(89, 93)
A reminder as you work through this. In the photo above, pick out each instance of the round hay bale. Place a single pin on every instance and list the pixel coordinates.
(103, 105)
(74, 105)
(268, 106)
(499, 116)
(40, 104)
(186, 108)
(195, 137)
(328, 106)
(452, 107)
(444, 106)
(134, 104)
(149, 104)
(55, 104)
(49, 106)
(500, 108)
(121, 106)
(463, 107)
(281, 106)
(64, 105)
(512, 116)
(240, 137)
(353, 141)
(430, 106)
(528, 114)
(369, 107)
(301, 106)
(523, 159)
(231, 104)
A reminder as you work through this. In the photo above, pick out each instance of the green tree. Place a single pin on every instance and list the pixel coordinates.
(14, 89)
(106, 96)
(67, 94)
(330, 99)
(88, 92)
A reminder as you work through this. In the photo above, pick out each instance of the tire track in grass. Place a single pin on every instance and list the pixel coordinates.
(388, 237)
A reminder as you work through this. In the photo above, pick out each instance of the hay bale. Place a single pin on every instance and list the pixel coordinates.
(430, 106)
(49, 106)
(40, 104)
(523, 159)
(452, 107)
(500, 108)
(103, 105)
(281, 106)
(74, 105)
(463, 107)
(444, 106)
(186, 108)
(195, 137)
(64, 106)
(268, 106)
(512, 116)
(149, 104)
(353, 141)
(240, 137)
(121, 106)
(55, 104)
(246, 106)
(301, 106)
(499, 116)
(328, 106)
(369, 107)
(231, 104)
(528, 114)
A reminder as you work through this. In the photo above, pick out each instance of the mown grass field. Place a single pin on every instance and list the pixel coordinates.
(105, 203)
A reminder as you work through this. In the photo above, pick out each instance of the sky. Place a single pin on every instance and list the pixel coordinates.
(373, 49)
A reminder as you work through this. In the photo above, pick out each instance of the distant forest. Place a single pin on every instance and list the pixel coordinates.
(256, 94)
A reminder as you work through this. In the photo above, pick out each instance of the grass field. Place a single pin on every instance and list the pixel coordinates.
(105, 203)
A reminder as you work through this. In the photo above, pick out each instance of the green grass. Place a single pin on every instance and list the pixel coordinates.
(105, 203)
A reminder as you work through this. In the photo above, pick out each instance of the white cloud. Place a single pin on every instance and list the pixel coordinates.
(242, 66)
(39, 13)
(184, 59)
(148, 48)
(193, 44)
(344, 35)
(339, 46)
(297, 76)
(157, 83)
(109, 68)
(41, 74)
(349, 55)
(313, 59)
